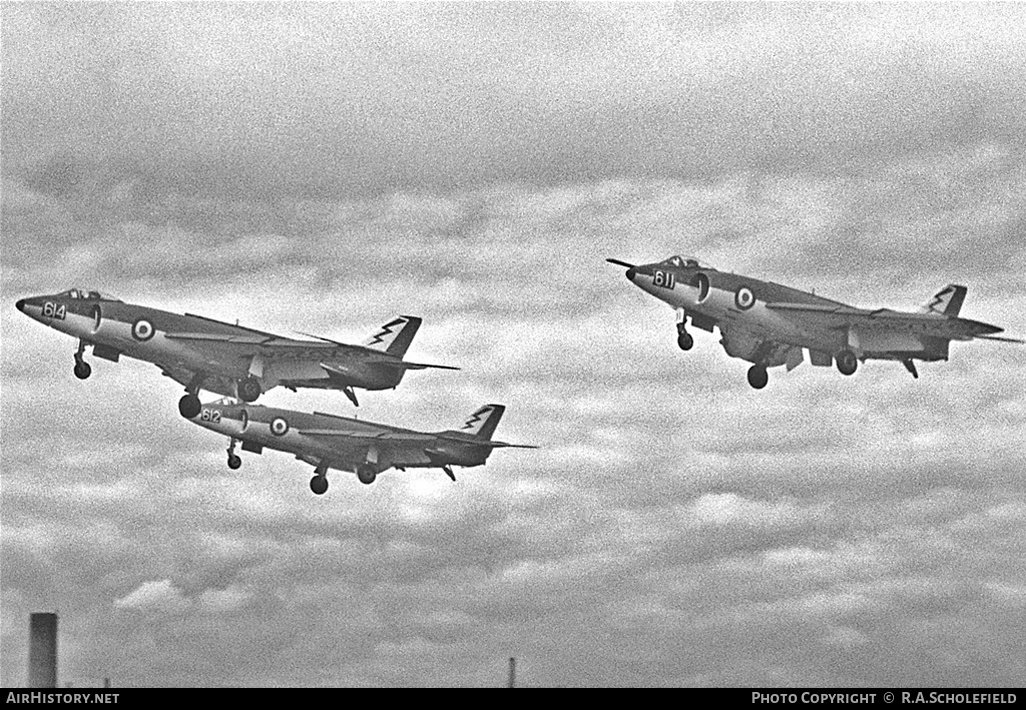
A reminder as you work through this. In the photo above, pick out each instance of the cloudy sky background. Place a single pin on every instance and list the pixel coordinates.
(321, 168)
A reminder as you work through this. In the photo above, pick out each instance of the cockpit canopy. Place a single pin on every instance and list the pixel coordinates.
(86, 295)
(683, 262)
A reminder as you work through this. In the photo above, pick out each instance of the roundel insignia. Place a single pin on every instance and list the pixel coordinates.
(744, 298)
(142, 330)
(279, 427)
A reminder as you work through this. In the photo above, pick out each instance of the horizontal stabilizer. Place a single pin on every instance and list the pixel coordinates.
(1003, 340)
(486, 442)
(414, 365)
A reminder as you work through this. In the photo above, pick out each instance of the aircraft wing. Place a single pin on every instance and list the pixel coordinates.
(377, 357)
(251, 342)
(404, 437)
(385, 436)
(842, 317)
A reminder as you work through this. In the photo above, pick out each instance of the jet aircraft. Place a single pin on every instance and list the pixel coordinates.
(202, 353)
(769, 325)
(327, 441)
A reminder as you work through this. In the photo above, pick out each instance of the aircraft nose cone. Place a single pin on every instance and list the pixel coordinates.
(631, 272)
(20, 305)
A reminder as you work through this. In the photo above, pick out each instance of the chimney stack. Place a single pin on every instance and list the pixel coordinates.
(42, 650)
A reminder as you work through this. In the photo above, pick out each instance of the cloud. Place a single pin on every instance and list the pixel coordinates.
(475, 165)
(159, 595)
(354, 99)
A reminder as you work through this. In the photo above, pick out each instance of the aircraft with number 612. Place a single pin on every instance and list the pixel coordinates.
(769, 325)
(202, 353)
(327, 441)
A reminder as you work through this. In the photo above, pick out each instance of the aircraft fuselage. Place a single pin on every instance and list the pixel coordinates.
(342, 443)
(738, 306)
(194, 344)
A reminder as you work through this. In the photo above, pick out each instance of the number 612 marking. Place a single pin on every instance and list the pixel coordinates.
(664, 279)
(210, 415)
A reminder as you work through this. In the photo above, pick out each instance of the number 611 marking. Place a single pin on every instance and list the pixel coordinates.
(210, 415)
(664, 279)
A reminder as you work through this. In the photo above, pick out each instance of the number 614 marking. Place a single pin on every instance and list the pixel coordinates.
(665, 279)
(54, 310)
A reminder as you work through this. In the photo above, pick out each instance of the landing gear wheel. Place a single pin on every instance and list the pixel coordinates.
(757, 376)
(847, 362)
(366, 475)
(249, 389)
(685, 341)
(82, 369)
(234, 462)
(189, 406)
(319, 484)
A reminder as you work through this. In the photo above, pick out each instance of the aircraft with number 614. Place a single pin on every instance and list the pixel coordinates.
(202, 353)
(328, 441)
(769, 325)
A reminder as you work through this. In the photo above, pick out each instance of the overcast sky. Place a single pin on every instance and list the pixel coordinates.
(323, 167)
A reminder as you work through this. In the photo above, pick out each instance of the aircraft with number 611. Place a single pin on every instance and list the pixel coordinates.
(365, 448)
(202, 353)
(769, 325)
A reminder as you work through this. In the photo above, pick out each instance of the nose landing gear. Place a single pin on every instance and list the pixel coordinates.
(234, 461)
(82, 369)
(684, 339)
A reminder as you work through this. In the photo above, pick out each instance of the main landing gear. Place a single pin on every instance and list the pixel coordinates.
(234, 462)
(249, 389)
(847, 362)
(82, 369)
(366, 474)
(319, 483)
(757, 376)
(189, 405)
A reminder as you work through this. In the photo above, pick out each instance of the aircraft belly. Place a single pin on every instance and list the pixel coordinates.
(289, 370)
(362, 374)
(304, 446)
(159, 349)
(876, 342)
(411, 457)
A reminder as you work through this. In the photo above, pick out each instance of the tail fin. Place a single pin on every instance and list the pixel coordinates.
(395, 336)
(947, 301)
(481, 424)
